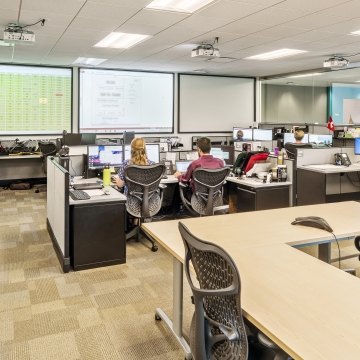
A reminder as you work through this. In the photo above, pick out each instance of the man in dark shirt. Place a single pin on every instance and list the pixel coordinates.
(205, 160)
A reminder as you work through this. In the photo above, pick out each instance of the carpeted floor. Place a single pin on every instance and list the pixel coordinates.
(105, 313)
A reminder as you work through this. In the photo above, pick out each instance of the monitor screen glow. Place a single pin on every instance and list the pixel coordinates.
(262, 134)
(289, 138)
(247, 134)
(357, 146)
(101, 155)
(152, 151)
(320, 139)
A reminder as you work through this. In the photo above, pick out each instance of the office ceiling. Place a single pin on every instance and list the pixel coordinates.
(244, 28)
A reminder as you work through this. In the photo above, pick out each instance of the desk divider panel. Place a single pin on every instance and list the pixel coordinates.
(316, 156)
(58, 210)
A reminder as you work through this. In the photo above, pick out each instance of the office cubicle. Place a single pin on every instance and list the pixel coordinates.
(58, 210)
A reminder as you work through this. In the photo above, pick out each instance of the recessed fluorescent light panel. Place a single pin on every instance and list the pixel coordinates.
(185, 6)
(276, 54)
(303, 75)
(356, 33)
(119, 40)
(88, 61)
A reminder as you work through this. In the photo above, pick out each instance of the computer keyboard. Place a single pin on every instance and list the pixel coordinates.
(87, 186)
(78, 195)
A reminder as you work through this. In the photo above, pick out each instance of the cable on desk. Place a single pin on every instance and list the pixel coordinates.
(351, 181)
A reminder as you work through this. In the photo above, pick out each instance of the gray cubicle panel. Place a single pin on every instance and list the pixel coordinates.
(58, 210)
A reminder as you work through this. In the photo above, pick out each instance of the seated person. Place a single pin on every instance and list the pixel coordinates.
(138, 157)
(291, 147)
(205, 160)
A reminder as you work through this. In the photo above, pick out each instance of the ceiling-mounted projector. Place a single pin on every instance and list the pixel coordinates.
(16, 34)
(205, 51)
(336, 62)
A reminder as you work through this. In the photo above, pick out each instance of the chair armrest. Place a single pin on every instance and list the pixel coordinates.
(162, 186)
(181, 184)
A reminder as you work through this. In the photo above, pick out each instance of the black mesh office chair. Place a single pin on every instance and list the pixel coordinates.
(291, 149)
(144, 194)
(217, 328)
(207, 197)
(47, 148)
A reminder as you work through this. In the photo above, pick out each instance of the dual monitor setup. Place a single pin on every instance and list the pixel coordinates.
(252, 134)
(74, 139)
(99, 156)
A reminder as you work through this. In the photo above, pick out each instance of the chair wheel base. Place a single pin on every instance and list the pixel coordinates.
(154, 248)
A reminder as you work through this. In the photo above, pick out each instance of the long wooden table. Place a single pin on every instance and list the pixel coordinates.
(306, 306)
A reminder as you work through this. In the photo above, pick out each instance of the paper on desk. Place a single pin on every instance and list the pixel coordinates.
(94, 192)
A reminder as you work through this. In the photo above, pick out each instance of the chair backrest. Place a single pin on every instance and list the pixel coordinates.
(217, 298)
(207, 192)
(47, 148)
(144, 196)
(291, 149)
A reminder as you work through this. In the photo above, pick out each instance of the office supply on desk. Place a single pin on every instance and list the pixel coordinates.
(71, 139)
(313, 221)
(144, 194)
(79, 195)
(182, 166)
(100, 156)
(217, 327)
(342, 159)
(87, 186)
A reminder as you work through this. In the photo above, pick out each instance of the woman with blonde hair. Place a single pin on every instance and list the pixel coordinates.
(138, 157)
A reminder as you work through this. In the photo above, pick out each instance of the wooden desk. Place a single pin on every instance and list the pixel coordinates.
(306, 306)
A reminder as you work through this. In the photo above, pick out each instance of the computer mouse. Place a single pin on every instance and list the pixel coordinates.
(164, 177)
(106, 192)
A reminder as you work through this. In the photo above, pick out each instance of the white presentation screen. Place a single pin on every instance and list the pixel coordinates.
(215, 103)
(34, 100)
(112, 101)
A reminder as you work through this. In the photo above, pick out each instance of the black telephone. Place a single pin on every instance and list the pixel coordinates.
(313, 221)
(342, 159)
(169, 167)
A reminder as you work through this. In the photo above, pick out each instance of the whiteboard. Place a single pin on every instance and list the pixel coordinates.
(215, 103)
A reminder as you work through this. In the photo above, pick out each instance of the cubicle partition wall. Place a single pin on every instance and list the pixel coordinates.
(58, 210)
(320, 181)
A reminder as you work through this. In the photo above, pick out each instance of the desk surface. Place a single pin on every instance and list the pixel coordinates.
(308, 307)
(256, 183)
(331, 168)
(7, 157)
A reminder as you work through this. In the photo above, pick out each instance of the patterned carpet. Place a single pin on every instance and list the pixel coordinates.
(105, 313)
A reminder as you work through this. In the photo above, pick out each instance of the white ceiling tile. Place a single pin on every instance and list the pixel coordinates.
(60, 7)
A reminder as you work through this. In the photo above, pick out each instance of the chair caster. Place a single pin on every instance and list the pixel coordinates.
(157, 317)
(154, 248)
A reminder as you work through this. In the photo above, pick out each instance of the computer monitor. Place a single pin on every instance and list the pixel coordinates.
(224, 152)
(101, 155)
(278, 132)
(182, 165)
(320, 140)
(289, 138)
(128, 136)
(242, 134)
(71, 139)
(357, 146)
(152, 151)
(88, 139)
(262, 134)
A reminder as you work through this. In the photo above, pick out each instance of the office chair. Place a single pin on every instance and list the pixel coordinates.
(207, 197)
(217, 328)
(291, 149)
(145, 194)
(47, 148)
